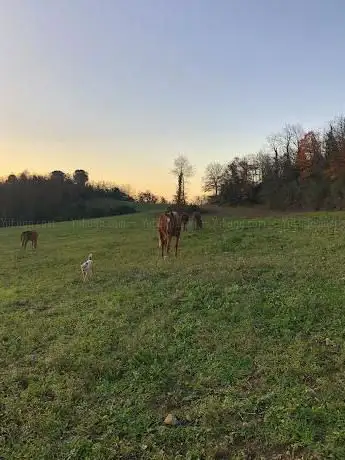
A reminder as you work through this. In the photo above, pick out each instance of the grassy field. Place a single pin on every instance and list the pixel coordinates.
(242, 336)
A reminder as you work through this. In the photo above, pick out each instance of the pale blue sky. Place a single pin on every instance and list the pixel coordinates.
(121, 87)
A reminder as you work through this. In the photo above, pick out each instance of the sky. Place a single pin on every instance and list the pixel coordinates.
(120, 88)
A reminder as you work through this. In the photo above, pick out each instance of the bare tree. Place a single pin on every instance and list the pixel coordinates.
(284, 145)
(290, 138)
(212, 178)
(273, 147)
(183, 170)
(286, 142)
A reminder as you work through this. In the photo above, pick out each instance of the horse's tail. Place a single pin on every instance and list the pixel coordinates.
(22, 237)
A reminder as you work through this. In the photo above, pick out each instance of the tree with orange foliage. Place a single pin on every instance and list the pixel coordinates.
(303, 162)
(309, 159)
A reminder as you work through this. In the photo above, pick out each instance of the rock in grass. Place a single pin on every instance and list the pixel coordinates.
(222, 454)
(171, 420)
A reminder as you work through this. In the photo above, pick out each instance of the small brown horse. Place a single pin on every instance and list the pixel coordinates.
(169, 226)
(29, 235)
(184, 220)
(197, 220)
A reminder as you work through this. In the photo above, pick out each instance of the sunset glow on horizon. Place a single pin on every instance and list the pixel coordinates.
(120, 89)
(155, 177)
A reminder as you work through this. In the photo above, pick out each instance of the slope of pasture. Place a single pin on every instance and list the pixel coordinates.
(230, 336)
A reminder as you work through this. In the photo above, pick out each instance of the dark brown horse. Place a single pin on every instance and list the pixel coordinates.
(184, 220)
(197, 220)
(29, 235)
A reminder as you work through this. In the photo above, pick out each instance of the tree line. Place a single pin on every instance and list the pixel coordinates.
(298, 169)
(58, 196)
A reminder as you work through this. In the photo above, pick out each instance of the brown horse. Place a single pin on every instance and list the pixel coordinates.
(197, 220)
(169, 226)
(29, 235)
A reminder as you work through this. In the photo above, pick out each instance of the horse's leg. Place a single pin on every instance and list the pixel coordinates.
(168, 244)
(161, 243)
(176, 244)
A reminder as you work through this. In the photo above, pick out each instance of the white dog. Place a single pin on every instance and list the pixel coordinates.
(86, 267)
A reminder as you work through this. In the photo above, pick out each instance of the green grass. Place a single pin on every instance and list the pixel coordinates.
(231, 335)
(150, 207)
